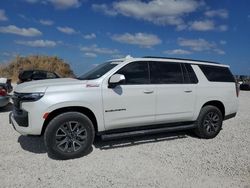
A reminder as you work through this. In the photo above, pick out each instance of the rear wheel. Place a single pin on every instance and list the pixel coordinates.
(69, 135)
(209, 122)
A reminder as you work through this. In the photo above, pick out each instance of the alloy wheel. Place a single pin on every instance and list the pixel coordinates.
(71, 136)
(211, 122)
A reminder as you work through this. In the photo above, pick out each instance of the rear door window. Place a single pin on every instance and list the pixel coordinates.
(166, 73)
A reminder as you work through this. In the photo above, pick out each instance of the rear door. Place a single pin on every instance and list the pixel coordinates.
(175, 97)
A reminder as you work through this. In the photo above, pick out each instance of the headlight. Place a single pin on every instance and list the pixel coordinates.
(28, 97)
(18, 98)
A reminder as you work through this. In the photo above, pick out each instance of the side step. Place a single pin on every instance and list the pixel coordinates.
(110, 136)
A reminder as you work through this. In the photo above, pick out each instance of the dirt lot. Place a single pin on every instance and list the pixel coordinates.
(166, 160)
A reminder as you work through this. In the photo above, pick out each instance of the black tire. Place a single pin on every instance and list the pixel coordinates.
(69, 135)
(209, 122)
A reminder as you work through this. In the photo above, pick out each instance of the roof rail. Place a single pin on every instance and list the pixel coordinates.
(195, 60)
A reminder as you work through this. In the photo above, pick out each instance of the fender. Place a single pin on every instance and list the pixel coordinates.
(97, 111)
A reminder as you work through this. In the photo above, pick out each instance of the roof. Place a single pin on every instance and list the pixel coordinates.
(179, 60)
(184, 59)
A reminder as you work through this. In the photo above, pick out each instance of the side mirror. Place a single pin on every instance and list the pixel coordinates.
(115, 80)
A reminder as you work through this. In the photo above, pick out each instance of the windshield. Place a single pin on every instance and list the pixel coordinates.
(98, 71)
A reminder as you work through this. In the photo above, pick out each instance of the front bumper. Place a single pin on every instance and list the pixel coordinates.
(20, 129)
(21, 117)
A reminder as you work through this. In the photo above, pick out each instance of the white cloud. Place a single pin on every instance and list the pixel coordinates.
(58, 4)
(38, 43)
(46, 22)
(6, 54)
(67, 30)
(90, 54)
(118, 56)
(27, 32)
(104, 8)
(200, 45)
(90, 36)
(94, 49)
(219, 51)
(177, 52)
(222, 13)
(3, 16)
(205, 25)
(24, 17)
(160, 12)
(165, 12)
(196, 44)
(222, 28)
(65, 4)
(223, 42)
(141, 39)
(9, 54)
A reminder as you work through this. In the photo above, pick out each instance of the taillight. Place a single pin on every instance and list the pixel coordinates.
(237, 88)
(3, 92)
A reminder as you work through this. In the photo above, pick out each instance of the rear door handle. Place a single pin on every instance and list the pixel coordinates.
(188, 91)
(148, 91)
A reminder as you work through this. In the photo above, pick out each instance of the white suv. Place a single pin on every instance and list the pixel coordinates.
(126, 97)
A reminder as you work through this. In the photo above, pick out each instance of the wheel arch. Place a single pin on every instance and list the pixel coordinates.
(83, 110)
(217, 104)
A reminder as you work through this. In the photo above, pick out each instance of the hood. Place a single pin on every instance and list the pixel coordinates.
(42, 85)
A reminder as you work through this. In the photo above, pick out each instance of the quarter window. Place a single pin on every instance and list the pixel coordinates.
(165, 73)
(217, 74)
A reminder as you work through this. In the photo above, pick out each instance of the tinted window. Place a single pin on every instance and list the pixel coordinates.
(135, 73)
(25, 75)
(217, 74)
(38, 75)
(98, 71)
(51, 75)
(166, 73)
(189, 74)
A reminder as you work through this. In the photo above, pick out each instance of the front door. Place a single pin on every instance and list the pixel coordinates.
(131, 103)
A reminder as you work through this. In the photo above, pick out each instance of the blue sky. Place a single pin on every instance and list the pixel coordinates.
(88, 32)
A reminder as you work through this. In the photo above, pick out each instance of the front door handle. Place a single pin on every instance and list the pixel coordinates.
(148, 91)
(188, 91)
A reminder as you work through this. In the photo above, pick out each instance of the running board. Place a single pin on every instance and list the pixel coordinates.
(110, 136)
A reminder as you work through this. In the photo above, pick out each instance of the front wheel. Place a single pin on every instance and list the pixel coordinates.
(69, 135)
(209, 122)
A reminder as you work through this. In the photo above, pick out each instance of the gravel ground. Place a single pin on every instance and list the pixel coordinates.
(165, 160)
